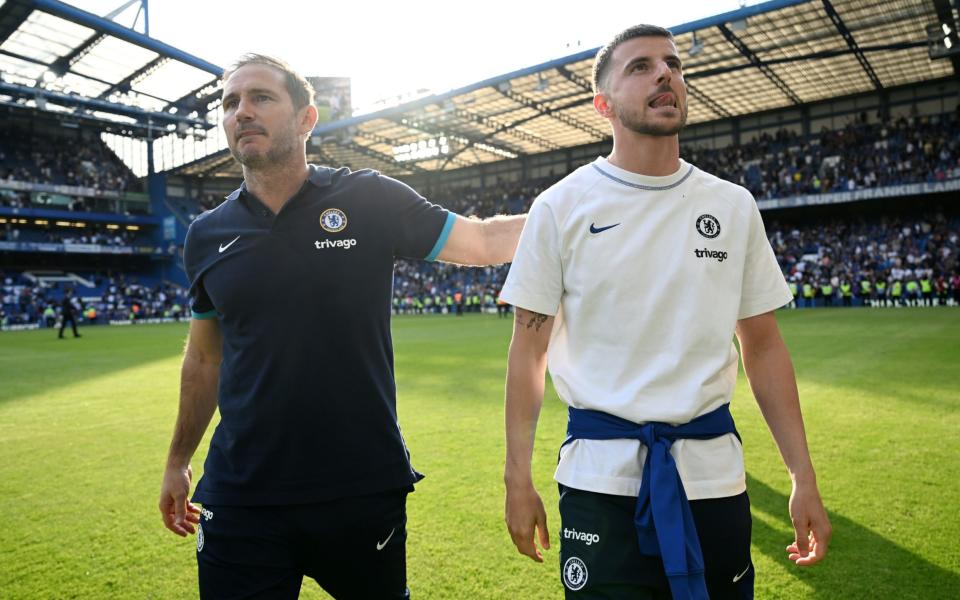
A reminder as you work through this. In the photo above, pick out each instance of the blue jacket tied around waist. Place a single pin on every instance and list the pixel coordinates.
(663, 518)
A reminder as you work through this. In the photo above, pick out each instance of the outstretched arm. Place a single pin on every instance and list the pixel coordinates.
(526, 369)
(199, 378)
(491, 241)
(766, 362)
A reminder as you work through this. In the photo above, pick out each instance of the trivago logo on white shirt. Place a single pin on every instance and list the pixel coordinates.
(345, 244)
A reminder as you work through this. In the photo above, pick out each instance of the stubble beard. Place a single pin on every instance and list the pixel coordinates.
(278, 153)
(636, 123)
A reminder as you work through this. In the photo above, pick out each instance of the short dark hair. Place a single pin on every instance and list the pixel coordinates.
(601, 64)
(300, 90)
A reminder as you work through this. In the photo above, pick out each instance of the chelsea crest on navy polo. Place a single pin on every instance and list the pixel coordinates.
(307, 396)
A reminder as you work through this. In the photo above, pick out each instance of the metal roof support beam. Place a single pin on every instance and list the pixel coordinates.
(852, 43)
(138, 130)
(450, 132)
(158, 119)
(552, 113)
(124, 84)
(385, 158)
(373, 137)
(12, 16)
(758, 63)
(190, 100)
(710, 102)
(805, 57)
(90, 77)
(517, 123)
(573, 77)
(506, 129)
(63, 64)
(82, 17)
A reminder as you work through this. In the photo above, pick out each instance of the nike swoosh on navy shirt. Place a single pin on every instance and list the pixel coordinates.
(230, 243)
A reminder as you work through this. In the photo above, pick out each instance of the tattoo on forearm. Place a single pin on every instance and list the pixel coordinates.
(536, 320)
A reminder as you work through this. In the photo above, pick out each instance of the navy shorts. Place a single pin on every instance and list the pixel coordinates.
(352, 547)
(600, 556)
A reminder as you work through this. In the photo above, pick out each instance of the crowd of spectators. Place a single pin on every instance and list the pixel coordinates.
(33, 157)
(860, 155)
(883, 260)
(113, 298)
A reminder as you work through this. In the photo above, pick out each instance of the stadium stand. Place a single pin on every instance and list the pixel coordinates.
(860, 155)
(32, 156)
(846, 130)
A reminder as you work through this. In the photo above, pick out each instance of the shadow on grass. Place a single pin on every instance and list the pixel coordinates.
(34, 362)
(861, 563)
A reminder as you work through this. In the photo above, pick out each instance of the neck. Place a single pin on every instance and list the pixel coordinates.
(276, 184)
(642, 154)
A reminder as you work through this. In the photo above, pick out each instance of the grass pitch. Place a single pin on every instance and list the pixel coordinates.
(84, 427)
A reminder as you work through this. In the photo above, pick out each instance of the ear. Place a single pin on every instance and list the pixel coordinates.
(309, 119)
(601, 105)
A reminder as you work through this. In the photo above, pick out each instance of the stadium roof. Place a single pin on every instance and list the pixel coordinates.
(64, 61)
(768, 56)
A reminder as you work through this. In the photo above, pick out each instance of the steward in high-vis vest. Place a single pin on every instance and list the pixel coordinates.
(896, 292)
(846, 292)
(807, 294)
(913, 292)
(926, 288)
(866, 291)
(794, 290)
(882, 292)
(826, 290)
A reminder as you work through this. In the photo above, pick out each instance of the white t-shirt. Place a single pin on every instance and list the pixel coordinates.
(647, 277)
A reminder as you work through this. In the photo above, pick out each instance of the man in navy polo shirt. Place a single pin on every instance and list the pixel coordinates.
(291, 277)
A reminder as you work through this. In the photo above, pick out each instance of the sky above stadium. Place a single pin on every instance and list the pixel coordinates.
(392, 49)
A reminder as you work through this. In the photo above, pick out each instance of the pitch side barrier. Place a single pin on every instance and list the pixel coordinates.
(85, 323)
(151, 321)
(62, 248)
(67, 190)
(20, 327)
(893, 191)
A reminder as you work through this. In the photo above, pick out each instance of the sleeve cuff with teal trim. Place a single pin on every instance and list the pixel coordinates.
(210, 314)
(442, 240)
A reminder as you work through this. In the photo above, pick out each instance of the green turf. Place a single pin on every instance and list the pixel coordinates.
(84, 426)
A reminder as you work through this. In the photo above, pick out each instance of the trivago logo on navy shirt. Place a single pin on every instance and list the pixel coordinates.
(345, 244)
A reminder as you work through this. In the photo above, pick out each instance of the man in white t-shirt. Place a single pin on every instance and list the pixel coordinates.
(632, 276)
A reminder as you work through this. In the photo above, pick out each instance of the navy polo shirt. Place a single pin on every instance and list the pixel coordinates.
(307, 396)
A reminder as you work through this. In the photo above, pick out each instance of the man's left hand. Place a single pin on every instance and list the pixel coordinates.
(811, 526)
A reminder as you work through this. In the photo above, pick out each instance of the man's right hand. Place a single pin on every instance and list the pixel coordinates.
(179, 514)
(525, 515)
